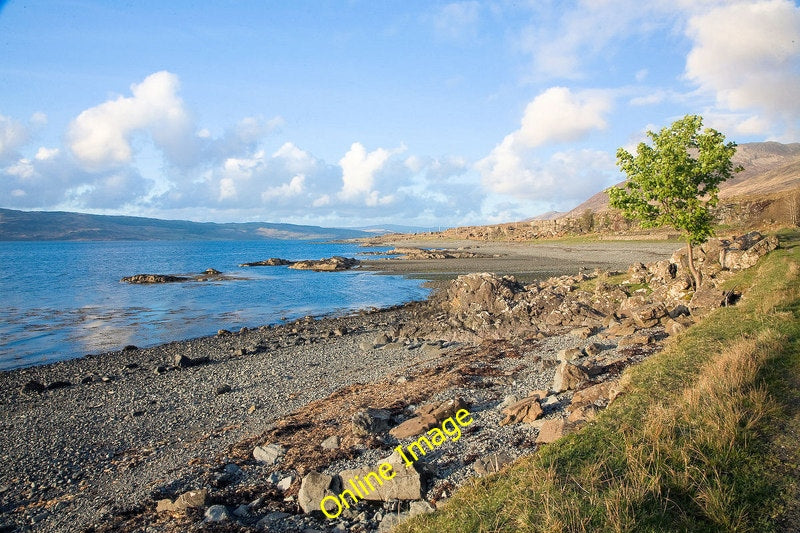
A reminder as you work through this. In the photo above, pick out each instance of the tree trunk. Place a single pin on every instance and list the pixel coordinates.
(695, 274)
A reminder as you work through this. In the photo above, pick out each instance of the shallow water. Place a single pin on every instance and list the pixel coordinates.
(62, 300)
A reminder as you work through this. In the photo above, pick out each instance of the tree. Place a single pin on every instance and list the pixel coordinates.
(676, 181)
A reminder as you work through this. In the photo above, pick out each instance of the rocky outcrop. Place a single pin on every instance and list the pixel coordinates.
(154, 278)
(427, 417)
(209, 274)
(331, 264)
(488, 306)
(272, 261)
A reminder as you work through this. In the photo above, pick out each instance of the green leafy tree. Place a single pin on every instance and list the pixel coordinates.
(676, 181)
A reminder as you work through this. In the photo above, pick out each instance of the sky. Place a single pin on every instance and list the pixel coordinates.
(355, 113)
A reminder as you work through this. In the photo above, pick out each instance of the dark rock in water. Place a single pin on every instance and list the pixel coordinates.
(58, 385)
(212, 272)
(272, 261)
(154, 278)
(222, 389)
(332, 264)
(34, 386)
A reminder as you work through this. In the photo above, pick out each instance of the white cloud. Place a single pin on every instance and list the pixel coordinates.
(358, 172)
(295, 187)
(100, 137)
(557, 115)
(748, 56)
(564, 177)
(46, 153)
(13, 135)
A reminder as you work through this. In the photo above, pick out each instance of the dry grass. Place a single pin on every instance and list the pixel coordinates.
(687, 448)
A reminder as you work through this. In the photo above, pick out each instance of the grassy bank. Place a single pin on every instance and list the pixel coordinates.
(705, 437)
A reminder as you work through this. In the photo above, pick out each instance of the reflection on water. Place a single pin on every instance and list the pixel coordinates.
(64, 300)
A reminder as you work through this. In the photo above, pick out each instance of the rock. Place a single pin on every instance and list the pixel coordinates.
(622, 329)
(381, 340)
(284, 484)
(583, 333)
(508, 400)
(648, 315)
(593, 349)
(224, 333)
(58, 385)
(414, 426)
(223, 389)
(706, 298)
(526, 410)
(405, 485)
(313, 489)
(191, 499)
(663, 271)
(428, 416)
(272, 261)
(243, 511)
(130, 348)
(340, 331)
(370, 422)
(570, 354)
(591, 395)
(390, 521)
(269, 454)
(182, 361)
(491, 463)
(568, 376)
(634, 340)
(679, 310)
(672, 327)
(217, 513)
(419, 507)
(331, 443)
(154, 278)
(582, 414)
(551, 431)
(34, 386)
(331, 264)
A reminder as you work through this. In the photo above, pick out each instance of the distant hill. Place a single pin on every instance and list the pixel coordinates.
(383, 229)
(550, 215)
(64, 226)
(770, 168)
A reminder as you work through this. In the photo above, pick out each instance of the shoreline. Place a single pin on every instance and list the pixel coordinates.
(130, 427)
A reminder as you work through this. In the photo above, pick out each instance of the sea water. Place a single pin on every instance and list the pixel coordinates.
(60, 300)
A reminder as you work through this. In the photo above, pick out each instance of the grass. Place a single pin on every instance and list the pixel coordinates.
(704, 438)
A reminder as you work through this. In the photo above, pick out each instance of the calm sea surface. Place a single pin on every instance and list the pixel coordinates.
(60, 300)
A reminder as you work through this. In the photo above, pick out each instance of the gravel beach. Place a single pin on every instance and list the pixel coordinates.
(89, 443)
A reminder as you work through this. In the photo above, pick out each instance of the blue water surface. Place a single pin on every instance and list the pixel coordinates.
(62, 300)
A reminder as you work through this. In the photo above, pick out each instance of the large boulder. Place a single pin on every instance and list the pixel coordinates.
(568, 376)
(405, 485)
(313, 489)
(470, 295)
(526, 410)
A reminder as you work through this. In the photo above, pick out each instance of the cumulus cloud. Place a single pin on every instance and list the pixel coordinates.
(13, 135)
(556, 116)
(563, 178)
(100, 137)
(359, 169)
(761, 39)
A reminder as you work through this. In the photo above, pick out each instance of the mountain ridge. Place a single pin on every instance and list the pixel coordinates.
(68, 226)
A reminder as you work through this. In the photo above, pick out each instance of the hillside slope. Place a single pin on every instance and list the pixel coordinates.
(769, 168)
(63, 226)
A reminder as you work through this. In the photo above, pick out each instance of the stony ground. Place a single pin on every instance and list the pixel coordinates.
(95, 443)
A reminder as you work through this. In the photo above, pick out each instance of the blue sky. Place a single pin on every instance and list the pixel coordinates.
(352, 113)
